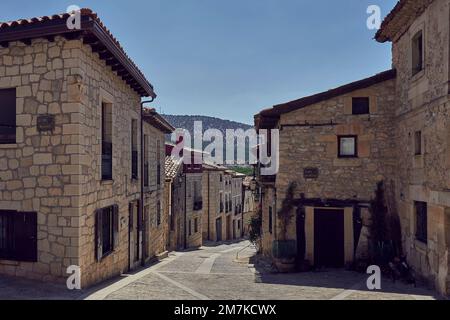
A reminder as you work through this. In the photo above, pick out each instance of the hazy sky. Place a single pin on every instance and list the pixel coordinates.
(232, 58)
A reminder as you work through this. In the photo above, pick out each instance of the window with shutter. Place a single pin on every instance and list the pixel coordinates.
(106, 231)
(18, 236)
(8, 116)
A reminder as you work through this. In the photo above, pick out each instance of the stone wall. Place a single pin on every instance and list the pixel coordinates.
(212, 187)
(42, 172)
(194, 239)
(316, 146)
(423, 105)
(155, 193)
(97, 84)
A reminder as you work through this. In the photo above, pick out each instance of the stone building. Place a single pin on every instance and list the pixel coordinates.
(187, 197)
(70, 151)
(175, 201)
(237, 205)
(249, 204)
(420, 35)
(213, 208)
(337, 145)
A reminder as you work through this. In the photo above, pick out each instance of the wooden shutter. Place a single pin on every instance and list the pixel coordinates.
(98, 235)
(115, 226)
(25, 236)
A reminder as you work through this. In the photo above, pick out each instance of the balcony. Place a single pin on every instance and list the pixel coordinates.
(198, 205)
(106, 160)
(134, 164)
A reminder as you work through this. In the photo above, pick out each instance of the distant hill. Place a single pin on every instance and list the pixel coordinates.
(187, 122)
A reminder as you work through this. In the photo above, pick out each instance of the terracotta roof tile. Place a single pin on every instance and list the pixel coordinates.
(172, 167)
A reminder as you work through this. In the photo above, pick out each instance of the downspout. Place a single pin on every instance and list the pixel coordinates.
(185, 211)
(141, 207)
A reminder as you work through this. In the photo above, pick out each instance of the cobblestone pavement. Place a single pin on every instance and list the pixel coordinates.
(219, 272)
(223, 272)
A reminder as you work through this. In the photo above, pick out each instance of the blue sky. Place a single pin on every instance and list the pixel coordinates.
(232, 58)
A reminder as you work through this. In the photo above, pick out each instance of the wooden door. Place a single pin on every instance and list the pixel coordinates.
(329, 238)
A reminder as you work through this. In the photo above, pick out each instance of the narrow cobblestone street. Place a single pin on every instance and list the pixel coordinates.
(221, 272)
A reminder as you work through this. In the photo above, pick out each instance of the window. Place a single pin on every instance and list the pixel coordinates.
(195, 225)
(106, 231)
(198, 201)
(221, 202)
(8, 116)
(270, 219)
(190, 227)
(146, 162)
(421, 221)
(239, 224)
(158, 213)
(106, 141)
(360, 105)
(418, 143)
(18, 236)
(134, 149)
(347, 147)
(417, 53)
(221, 178)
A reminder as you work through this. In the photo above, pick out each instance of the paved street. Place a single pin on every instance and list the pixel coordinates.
(220, 272)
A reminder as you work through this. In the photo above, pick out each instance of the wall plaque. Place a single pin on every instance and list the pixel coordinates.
(46, 123)
(311, 173)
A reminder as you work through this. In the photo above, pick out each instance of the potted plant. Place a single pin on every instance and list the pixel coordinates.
(284, 249)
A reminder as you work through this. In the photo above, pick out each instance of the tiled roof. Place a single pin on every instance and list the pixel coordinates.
(269, 117)
(172, 167)
(401, 18)
(92, 30)
(155, 119)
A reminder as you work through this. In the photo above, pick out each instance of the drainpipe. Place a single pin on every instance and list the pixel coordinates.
(185, 211)
(141, 207)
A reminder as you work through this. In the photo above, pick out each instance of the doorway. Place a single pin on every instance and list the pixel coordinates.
(329, 238)
(219, 229)
(134, 236)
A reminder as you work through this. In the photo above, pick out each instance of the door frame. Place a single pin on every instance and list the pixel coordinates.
(349, 239)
